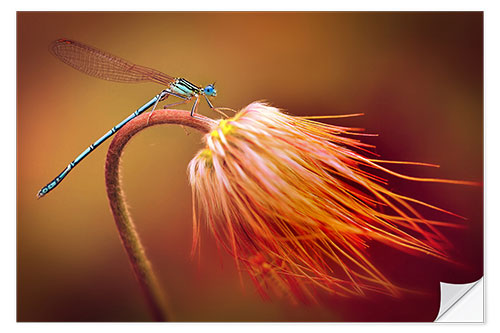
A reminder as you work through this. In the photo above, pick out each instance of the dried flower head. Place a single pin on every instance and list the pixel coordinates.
(294, 201)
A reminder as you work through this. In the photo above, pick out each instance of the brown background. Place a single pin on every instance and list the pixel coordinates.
(418, 77)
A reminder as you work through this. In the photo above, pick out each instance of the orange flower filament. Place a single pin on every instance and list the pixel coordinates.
(295, 203)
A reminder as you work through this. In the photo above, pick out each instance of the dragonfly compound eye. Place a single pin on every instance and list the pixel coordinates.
(210, 90)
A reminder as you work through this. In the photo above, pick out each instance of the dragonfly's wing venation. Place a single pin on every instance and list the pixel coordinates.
(103, 65)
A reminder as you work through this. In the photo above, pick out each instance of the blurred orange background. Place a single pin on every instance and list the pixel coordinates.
(418, 77)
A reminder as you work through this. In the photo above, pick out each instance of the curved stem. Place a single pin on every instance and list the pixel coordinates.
(128, 234)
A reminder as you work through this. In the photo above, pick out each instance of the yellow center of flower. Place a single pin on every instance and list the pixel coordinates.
(206, 154)
(224, 127)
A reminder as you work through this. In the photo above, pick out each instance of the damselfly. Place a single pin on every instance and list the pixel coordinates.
(103, 65)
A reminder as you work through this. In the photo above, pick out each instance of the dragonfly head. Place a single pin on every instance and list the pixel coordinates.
(210, 90)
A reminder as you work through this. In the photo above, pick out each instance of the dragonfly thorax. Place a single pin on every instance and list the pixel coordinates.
(187, 89)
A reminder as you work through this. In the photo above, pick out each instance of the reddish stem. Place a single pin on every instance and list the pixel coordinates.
(128, 234)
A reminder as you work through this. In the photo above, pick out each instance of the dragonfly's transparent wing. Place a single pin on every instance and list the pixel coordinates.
(103, 65)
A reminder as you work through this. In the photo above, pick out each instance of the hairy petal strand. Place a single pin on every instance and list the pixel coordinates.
(296, 204)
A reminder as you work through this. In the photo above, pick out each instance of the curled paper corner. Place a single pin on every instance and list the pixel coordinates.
(461, 303)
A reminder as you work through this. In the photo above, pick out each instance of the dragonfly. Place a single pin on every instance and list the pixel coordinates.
(103, 65)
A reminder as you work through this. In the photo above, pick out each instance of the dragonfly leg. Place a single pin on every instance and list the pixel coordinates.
(176, 103)
(208, 102)
(167, 93)
(162, 96)
(156, 103)
(195, 105)
(172, 104)
(184, 99)
(218, 110)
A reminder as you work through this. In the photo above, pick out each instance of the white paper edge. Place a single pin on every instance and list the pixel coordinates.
(461, 303)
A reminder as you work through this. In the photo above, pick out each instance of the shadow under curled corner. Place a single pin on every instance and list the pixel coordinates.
(461, 303)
